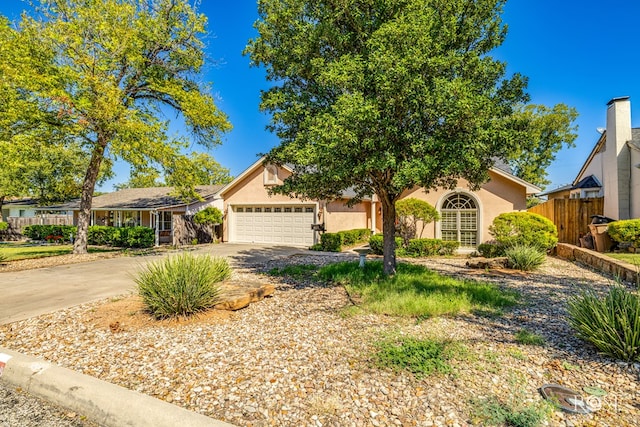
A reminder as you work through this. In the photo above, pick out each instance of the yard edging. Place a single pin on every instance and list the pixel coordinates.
(624, 271)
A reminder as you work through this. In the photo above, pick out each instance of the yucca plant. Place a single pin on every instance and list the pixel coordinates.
(182, 285)
(524, 257)
(611, 323)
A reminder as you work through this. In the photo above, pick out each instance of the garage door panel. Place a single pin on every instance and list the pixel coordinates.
(274, 224)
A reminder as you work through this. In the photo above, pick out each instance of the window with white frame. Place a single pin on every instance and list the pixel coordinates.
(164, 221)
(459, 220)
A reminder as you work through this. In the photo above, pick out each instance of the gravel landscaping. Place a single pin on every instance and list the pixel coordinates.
(300, 358)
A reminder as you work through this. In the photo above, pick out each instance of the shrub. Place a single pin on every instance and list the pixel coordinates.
(625, 231)
(524, 228)
(610, 323)
(411, 211)
(353, 237)
(430, 247)
(3, 225)
(525, 258)
(208, 216)
(376, 244)
(331, 242)
(136, 237)
(101, 235)
(40, 232)
(182, 285)
(491, 249)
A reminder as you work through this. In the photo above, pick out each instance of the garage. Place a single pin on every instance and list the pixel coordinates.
(281, 224)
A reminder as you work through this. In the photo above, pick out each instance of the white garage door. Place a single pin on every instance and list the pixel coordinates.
(287, 225)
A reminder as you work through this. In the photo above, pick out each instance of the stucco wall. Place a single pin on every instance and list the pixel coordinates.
(497, 196)
(338, 216)
(594, 168)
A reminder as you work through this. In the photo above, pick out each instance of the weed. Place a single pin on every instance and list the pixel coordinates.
(526, 337)
(421, 357)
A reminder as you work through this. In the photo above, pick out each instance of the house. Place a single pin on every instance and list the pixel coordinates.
(612, 169)
(253, 215)
(21, 212)
(155, 207)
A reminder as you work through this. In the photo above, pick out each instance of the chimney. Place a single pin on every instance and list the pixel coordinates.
(616, 172)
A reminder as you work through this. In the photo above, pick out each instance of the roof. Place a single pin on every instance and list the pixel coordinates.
(557, 190)
(500, 167)
(151, 198)
(27, 201)
(589, 182)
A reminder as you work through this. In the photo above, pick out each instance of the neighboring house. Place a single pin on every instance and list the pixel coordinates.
(19, 208)
(612, 169)
(22, 212)
(153, 207)
(252, 215)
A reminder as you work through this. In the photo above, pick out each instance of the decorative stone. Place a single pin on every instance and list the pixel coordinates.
(484, 263)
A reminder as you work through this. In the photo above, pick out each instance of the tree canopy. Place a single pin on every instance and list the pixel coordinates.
(106, 73)
(380, 96)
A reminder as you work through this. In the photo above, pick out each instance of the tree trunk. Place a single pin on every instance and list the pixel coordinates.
(1, 203)
(388, 234)
(88, 187)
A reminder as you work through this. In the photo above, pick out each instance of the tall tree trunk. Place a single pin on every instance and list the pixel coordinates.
(1, 203)
(88, 187)
(388, 235)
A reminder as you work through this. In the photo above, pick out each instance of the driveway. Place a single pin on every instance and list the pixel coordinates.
(29, 293)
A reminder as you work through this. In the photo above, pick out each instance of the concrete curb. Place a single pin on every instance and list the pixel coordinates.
(101, 402)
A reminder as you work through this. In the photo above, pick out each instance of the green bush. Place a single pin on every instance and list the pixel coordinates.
(376, 244)
(332, 242)
(101, 235)
(610, 323)
(491, 249)
(524, 228)
(523, 257)
(3, 226)
(208, 216)
(182, 285)
(136, 237)
(353, 237)
(625, 231)
(40, 232)
(430, 247)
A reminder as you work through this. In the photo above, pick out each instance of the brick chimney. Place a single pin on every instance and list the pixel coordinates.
(616, 157)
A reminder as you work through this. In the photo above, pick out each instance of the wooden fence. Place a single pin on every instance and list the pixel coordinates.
(571, 216)
(18, 223)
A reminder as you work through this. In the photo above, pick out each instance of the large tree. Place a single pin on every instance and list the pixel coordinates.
(544, 132)
(38, 158)
(110, 70)
(379, 96)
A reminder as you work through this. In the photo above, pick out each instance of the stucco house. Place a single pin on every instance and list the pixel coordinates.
(154, 207)
(612, 169)
(252, 215)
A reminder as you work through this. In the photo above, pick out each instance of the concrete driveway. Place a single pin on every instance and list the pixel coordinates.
(29, 293)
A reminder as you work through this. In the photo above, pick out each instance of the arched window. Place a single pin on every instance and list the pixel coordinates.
(459, 220)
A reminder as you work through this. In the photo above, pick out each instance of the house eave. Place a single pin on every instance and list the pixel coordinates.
(529, 188)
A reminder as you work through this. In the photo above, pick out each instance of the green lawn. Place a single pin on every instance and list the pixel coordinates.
(630, 258)
(415, 291)
(16, 251)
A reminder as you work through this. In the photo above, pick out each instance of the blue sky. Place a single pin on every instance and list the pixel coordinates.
(581, 53)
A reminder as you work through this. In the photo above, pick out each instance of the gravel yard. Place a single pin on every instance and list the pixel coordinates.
(298, 359)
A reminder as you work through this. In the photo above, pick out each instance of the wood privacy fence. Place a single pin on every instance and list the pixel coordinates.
(571, 216)
(18, 223)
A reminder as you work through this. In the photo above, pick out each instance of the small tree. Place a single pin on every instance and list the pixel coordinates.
(208, 216)
(410, 212)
